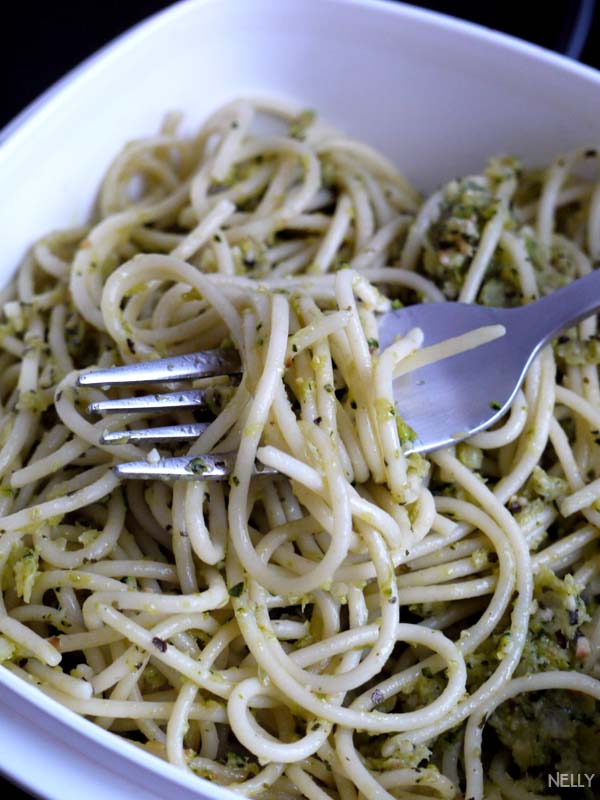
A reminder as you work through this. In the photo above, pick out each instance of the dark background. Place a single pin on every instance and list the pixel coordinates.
(41, 42)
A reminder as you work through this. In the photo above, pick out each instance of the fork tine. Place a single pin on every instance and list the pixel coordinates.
(207, 467)
(178, 433)
(177, 368)
(189, 398)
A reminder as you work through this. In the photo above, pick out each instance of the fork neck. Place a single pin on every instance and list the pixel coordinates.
(550, 315)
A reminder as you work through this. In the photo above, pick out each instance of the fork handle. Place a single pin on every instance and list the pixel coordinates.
(548, 316)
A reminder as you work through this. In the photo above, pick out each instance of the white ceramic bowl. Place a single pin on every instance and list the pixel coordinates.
(438, 96)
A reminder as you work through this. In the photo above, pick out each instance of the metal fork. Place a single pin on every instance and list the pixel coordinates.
(444, 403)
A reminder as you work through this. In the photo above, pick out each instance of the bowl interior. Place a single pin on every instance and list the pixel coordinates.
(436, 95)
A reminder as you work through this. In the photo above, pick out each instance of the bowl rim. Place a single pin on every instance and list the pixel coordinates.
(33, 699)
(53, 712)
(145, 27)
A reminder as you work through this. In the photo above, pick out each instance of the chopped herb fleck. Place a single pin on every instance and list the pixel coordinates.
(198, 466)
(377, 697)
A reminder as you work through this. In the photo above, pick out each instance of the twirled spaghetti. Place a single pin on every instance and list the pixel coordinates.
(345, 629)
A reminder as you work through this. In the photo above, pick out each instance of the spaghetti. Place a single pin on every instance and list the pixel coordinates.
(367, 624)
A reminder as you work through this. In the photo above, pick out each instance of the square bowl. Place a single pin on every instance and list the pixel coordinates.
(436, 95)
